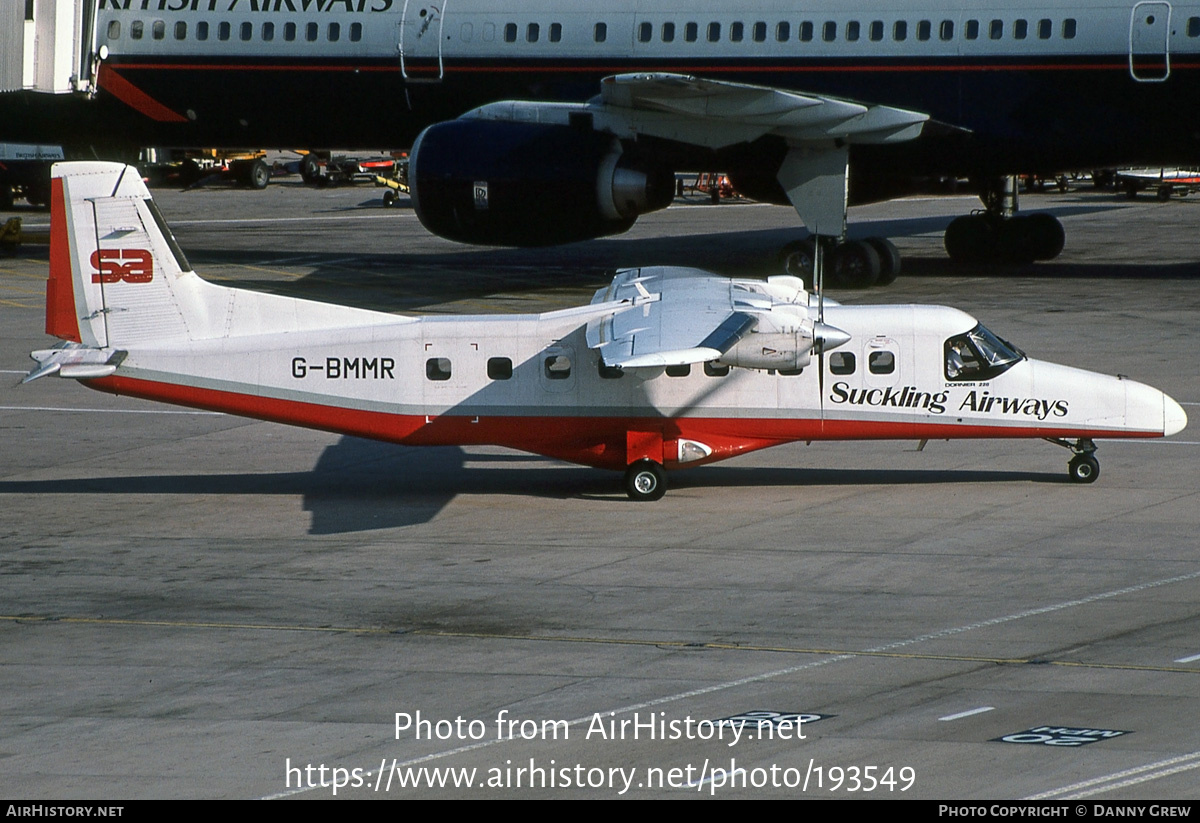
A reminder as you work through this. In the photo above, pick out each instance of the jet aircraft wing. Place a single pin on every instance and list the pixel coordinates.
(717, 113)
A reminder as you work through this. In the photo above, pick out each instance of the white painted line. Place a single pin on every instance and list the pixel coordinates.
(1144, 442)
(109, 411)
(1117, 780)
(323, 219)
(770, 675)
(968, 713)
(13, 371)
(1190, 659)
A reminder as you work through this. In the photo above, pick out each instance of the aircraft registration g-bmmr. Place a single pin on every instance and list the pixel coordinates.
(578, 114)
(666, 367)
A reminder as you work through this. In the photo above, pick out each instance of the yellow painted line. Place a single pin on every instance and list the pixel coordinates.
(19, 305)
(606, 641)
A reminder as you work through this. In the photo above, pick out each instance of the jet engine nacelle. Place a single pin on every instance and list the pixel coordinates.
(529, 184)
(780, 350)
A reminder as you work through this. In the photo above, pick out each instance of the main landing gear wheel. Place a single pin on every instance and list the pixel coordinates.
(645, 480)
(1017, 240)
(856, 264)
(1083, 468)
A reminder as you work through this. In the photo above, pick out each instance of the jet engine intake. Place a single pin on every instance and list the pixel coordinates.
(529, 184)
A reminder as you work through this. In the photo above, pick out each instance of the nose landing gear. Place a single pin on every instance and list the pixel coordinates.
(1083, 467)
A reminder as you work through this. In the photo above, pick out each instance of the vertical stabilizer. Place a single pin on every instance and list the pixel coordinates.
(117, 277)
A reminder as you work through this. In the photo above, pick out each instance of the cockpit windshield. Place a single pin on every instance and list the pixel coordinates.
(979, 355)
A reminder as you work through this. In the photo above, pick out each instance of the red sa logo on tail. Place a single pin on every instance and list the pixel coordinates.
(115, 265)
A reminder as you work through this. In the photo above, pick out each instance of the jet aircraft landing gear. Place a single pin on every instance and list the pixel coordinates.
(1083, 467)
(1000, 235)
(645, 480)
(855, 264)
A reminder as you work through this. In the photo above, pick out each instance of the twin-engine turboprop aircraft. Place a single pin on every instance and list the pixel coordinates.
(666, 367)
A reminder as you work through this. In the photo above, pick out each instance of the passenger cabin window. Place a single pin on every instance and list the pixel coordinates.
(946, 30)
(1020, 29)
(437, 368)
(1068, 28)
(924, 28)
(202, 31)
(713, 370)
(783, 32)
(268, 32)
(668, 32)
(760, 32)
(852, 31)
(996, 29)
(736, 32)
(355, 32)
(679, 371)
(600, 32)
(510, 32)
(246, 31)
(558, 367)
(806, 31)
(881, 362)
(972, 30)
(555, 32)
(1044, 29)
(114, 29)
(289, 31)
(532, 32)
(645, 32)
(714, 32)
(335, 32)
(136, 30)
(829, 31)
(900, 31)
(499, 368)
(224, 30)
(841, 362)
(310, 32)
(876, 30)
(691, 32)
(159, 30)
(979, 355)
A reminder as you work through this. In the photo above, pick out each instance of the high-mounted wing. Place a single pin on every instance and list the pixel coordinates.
(681, 316)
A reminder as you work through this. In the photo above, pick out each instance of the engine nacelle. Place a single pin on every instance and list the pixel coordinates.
(527, 184)
(779, 350)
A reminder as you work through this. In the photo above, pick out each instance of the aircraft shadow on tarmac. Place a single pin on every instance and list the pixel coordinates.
(361, 485)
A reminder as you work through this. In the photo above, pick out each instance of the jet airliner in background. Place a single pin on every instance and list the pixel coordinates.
(537, 122)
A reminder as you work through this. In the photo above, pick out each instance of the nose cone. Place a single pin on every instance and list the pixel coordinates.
(1174, 418)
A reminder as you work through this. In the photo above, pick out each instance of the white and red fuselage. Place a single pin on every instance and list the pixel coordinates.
(143, 324)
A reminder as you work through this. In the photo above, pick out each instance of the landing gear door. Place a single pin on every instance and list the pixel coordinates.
(421, 35)
(1150, 41)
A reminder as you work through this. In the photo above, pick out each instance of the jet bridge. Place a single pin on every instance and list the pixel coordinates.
(48, 46)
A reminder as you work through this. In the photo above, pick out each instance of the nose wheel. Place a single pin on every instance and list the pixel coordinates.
(1083, 467)
(645, 480)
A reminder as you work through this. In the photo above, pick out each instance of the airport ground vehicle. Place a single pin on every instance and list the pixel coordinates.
(666, 368)
(25, 173)
(1163, 182)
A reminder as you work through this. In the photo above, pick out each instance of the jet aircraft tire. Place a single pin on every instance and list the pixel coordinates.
(970, 239)
(798, 259)
(645, 480)
(855, 265)
(1083, 468)
(889, 259)
(1046, 235)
